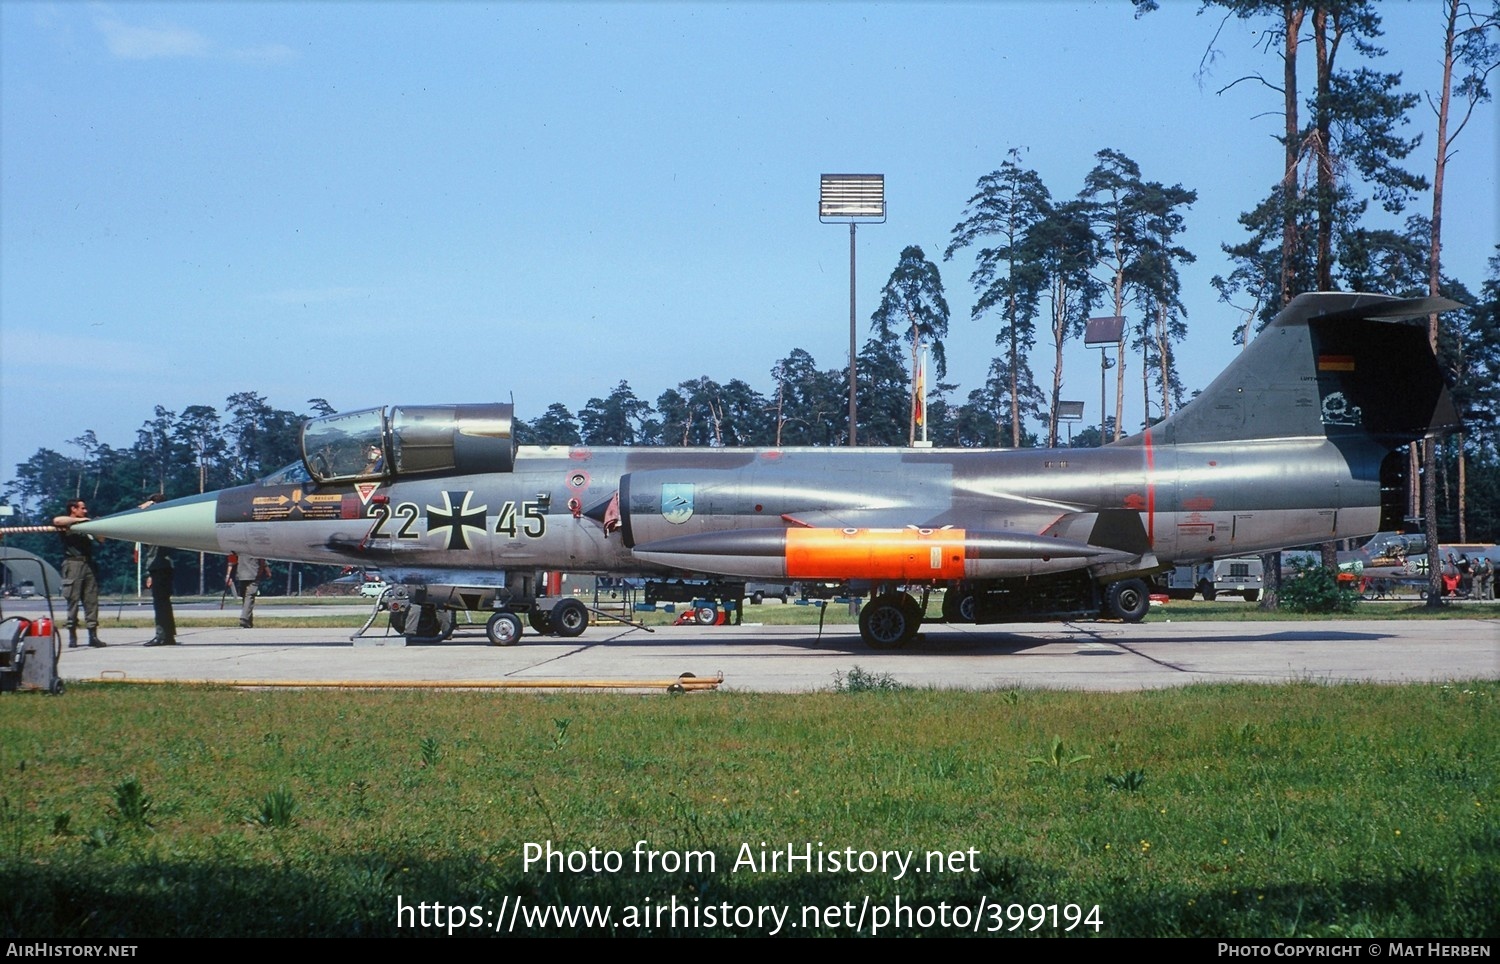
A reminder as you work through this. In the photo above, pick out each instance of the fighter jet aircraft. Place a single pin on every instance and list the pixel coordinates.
(1290, 445)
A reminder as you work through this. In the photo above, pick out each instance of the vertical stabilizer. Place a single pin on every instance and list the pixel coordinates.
(1333, 365)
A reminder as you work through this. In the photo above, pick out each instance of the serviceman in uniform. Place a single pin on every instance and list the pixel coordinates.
(244, 574)
(159, 576)
(80, 573)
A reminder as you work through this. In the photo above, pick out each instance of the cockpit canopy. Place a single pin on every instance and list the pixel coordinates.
(412, 440)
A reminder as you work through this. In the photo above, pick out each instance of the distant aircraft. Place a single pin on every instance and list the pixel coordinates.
(1290, 445)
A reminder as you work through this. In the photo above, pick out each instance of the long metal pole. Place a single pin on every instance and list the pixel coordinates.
(853, 423)
(1103, 367)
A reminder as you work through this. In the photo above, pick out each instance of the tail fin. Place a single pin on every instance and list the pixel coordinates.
(1333, 365)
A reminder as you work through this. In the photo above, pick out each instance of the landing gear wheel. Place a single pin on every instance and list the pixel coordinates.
(958, 606)
(887, 622)
(569, 618)
(541, 622)
(706, 615)
(914, 611)
(1127, 600)
(504, 628)
(432, 625)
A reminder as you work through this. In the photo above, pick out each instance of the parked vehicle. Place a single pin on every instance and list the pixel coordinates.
(1243, 576)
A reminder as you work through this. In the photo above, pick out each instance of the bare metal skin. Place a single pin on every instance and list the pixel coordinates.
(1285, 448)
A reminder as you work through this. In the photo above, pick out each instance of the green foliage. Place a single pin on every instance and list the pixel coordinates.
(1133, 781)
(277, 810)
(1311, 588)
(132, 807)
(862, 681)
(560, 732)
(432, 752)
(1058, 758)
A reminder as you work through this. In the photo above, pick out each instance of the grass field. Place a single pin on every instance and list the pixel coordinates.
(1309, 810)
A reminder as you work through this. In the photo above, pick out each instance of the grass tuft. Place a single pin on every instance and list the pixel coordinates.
(132, 807)
(862, 681)
(278, 810)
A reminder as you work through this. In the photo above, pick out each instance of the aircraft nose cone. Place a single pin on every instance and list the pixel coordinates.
(181, 524)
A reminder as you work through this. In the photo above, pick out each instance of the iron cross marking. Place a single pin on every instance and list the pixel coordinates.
(456, 520)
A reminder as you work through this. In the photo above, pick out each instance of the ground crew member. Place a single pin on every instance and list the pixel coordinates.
(159, 577)
(245, 573)
(80, 573)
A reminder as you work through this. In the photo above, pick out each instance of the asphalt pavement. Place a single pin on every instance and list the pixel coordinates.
(1100, 656)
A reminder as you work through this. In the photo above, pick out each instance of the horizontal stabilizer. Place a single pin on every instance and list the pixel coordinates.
(1399, 309)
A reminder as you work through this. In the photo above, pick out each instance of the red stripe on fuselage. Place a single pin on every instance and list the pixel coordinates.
(1150, 492)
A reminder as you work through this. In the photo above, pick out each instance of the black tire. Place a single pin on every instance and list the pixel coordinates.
(914, 612)
(569, 618)
(1253, 595)
(958, 606)
(1207, 590)
(504, 628)
(886, 622)
(1128, 600)
(541, 622)
(757, 598)
(431, 625)
(706, 615)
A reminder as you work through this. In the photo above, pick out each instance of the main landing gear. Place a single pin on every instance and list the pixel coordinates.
(893, 617)
(890, 620)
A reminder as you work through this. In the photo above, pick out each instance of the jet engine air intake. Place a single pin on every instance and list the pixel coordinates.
(415, 440)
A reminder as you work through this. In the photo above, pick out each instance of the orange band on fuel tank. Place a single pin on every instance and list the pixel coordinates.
(916, 554)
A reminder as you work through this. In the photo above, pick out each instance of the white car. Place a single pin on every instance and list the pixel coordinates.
(372, 589)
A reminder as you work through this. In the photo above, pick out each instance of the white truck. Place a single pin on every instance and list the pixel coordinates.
(1240, 575)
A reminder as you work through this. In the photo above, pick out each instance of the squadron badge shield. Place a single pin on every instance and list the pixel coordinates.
(677, 502)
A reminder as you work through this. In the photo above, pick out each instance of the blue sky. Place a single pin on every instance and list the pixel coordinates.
(387, 203)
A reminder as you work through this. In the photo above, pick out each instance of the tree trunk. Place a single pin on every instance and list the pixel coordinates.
(1119, 363)
(1270, 564)
(1429, 525)
(1463, 507)
(1324, 149)
(1434, 284)
(1292, 15)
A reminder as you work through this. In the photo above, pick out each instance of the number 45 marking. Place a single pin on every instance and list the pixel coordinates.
(531, 522)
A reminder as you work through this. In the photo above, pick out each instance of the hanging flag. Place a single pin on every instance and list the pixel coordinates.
(919, 393)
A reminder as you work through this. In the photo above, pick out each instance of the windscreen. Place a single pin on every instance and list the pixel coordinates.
(338, 448)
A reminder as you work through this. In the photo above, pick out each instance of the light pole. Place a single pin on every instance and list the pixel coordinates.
(1101, 333)
(855, 198)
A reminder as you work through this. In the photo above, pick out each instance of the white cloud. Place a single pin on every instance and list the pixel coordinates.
(149, 43)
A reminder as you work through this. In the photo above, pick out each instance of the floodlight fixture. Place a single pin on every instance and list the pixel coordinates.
(1070, 412)
(1104, 331)
(851, 197)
